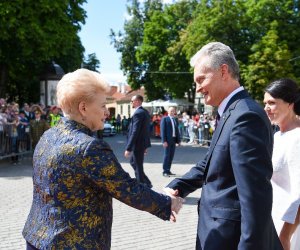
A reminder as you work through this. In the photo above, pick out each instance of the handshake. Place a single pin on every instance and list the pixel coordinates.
(176, 202)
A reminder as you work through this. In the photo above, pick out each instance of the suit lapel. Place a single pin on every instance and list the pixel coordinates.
(227, 112)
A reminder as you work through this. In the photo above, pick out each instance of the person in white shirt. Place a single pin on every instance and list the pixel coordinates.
(282, 105)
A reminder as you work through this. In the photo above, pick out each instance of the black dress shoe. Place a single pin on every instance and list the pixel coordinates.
(166, 175)
(170, 173)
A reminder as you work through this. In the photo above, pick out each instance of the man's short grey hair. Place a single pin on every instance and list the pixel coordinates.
(218, 54)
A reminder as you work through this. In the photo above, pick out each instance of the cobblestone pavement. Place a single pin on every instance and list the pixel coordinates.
(132, 229)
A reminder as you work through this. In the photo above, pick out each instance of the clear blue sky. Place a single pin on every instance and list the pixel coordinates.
(103, 15)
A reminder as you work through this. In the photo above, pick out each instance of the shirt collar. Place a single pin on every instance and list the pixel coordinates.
(223, 104)
(135, 109)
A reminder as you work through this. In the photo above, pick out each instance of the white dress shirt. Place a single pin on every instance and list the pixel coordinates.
(223, 104)
(173, 126)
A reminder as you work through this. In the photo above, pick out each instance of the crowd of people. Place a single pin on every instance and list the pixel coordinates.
(194, 127)
(22, 127)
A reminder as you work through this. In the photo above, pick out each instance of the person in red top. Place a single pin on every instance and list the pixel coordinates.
(156, 122)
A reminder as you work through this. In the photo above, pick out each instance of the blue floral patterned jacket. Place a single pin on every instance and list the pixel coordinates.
(75, 177)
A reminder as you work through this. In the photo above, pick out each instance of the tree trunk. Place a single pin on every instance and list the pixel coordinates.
(3, 80)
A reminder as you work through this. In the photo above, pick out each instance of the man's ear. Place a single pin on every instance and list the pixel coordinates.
(224, 70)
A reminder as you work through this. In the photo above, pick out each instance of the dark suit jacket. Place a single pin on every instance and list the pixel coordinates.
(236, 199)
(138, 137)
(166, 130)
(75, 177)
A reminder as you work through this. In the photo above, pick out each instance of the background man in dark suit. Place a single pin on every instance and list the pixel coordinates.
(138, 139)
(169, 134)
(236, 199)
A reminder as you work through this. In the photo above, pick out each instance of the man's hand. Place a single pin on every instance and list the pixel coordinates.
(171, 192)
(176, 202)
(127, 154)
(165, 144)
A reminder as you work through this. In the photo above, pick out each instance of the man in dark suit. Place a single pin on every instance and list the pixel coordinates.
(28, 113)
(236, 198)
(169, 134)
(138, 139)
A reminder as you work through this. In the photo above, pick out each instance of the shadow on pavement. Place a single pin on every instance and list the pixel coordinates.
(191, 201)
(184, 154)
(18, 171)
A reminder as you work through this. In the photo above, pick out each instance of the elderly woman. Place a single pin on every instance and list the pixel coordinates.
(282, 104)
(76, 175)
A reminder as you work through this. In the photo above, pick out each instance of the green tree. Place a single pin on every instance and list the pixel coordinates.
(148, 44)
(72, 57)
(269, 61)
(223, 21)
(248, 27)
(280, 20)
(33, 33)
(91, 62)
(166, 63)
(162, 38)
(127, 42)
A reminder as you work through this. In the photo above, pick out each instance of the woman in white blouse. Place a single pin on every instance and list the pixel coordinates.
(282, 105)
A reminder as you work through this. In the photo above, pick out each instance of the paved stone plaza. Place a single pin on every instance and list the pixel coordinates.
(132, 229)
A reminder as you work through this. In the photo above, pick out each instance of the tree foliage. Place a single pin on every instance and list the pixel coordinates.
(167, 64)
(269, 61)
(276, 28)
(263, 34)
(149, 55)
(223, 21)
(126, 43)
(91, 62)
(33, 33)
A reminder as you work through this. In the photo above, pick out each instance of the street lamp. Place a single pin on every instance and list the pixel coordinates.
(48, 81)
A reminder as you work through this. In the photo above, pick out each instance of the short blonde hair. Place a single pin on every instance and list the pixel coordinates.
(77, 86)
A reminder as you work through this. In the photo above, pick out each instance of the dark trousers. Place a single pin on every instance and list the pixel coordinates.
(137, 163)
(30, 247)
(168, 156)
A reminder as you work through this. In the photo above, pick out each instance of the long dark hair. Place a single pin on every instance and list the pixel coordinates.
(287, 90)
